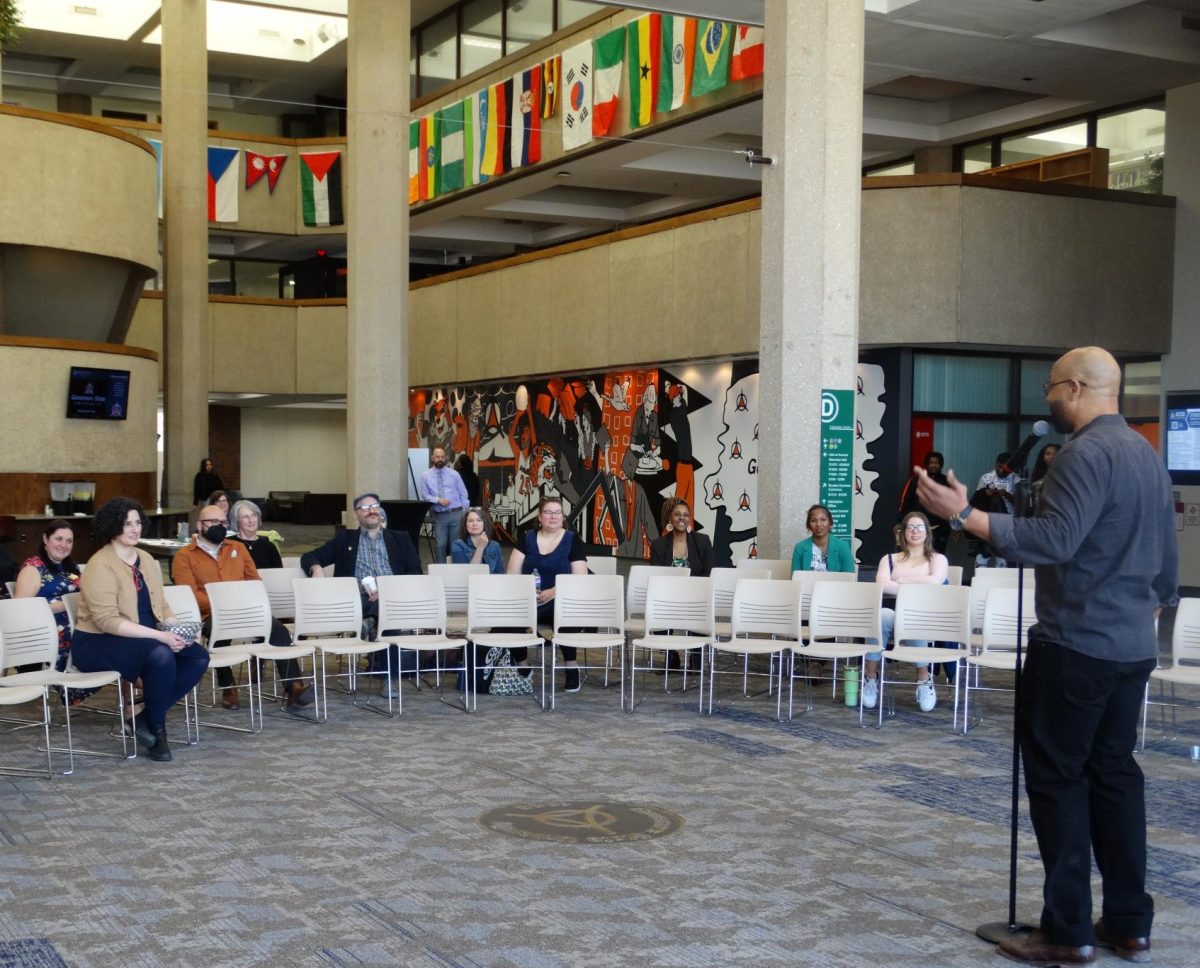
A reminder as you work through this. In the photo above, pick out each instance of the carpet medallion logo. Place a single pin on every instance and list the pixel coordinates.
(582, 821)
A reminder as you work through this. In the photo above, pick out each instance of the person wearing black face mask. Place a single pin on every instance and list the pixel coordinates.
(209, 557)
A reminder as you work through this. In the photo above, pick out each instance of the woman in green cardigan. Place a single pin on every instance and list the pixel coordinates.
(820, 551)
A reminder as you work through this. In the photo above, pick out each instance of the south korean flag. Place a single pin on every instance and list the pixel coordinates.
(577, 96)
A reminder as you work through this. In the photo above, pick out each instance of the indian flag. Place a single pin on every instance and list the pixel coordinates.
(678, 53)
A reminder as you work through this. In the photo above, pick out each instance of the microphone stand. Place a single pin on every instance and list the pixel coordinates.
(996, 931)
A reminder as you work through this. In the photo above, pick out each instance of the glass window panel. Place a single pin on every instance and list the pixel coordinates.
(528, 20)
(412, 64)
(220, 277)
(1033, 374)
(1142, 390)
(977, 157)
(481, 40)
(437, 53)
(970, 447)
(1039, 144)
(903, 168)
(570, 11)
(968, 384)
(1135, 142)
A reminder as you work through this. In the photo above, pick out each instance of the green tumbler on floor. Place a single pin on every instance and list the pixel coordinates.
(850, 687)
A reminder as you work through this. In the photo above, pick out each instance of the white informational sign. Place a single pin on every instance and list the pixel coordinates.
(1183, 439)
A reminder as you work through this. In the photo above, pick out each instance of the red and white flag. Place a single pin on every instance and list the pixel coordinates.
(258, 165)
(747, 60)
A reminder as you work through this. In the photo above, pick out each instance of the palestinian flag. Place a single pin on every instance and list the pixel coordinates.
(321, 187)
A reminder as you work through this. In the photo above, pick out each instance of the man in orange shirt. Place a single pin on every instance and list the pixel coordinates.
(210, 557)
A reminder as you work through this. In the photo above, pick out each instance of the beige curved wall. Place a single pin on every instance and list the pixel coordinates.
(43, 440)
(67, 184)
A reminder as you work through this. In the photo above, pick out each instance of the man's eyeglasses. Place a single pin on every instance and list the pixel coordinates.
(1048, 386)
(368, 507)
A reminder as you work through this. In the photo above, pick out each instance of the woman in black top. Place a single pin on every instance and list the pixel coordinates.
(205, 482)
(247, 518)
(681, 547)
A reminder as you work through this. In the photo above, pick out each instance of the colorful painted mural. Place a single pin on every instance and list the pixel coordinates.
(616, 445)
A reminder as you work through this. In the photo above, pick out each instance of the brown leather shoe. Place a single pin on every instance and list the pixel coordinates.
(1036, 949)
(230, 698)
(1127, 949)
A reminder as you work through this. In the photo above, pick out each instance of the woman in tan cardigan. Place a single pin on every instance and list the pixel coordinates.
(119, 612)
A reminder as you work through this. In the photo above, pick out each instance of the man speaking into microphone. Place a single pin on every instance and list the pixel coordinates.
(1103, 543)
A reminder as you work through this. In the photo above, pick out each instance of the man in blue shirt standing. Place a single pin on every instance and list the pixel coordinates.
(1103, 544)
(443, 487)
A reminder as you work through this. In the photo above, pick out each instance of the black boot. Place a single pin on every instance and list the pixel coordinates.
(160, 752)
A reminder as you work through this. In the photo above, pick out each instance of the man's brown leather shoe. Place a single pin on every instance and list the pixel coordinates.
(1128, 949)
(1036, 949)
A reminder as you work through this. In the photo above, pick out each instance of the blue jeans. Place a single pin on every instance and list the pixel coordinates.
(887, 623)
(447, 525)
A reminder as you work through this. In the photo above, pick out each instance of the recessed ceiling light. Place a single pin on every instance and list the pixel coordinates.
(563, 174)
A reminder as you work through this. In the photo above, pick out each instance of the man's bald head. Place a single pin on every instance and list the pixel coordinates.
(1092, 366)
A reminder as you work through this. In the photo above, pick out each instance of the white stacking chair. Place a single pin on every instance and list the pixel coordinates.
(329, 618)
(600, 565)
(929, 613)
(241, 614)
(455, 579)
(998, 641)
(594, 602)
(725, 581)
(679, 615)
(954, 574)
(635, 593)
(502, 601)
(11, 696)
(806, 580)
(181, 600)
(280, 593)
(412, 616)
(71, 603)
(289, 561)
(765, 620)
(984, 580)
(780, 568)
(1184, 669)
(30, 637)
(838, 609)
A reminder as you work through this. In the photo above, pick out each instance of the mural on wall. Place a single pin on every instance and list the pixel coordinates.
(615, 445)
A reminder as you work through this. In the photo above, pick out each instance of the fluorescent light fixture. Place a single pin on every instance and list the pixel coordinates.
(474, 40)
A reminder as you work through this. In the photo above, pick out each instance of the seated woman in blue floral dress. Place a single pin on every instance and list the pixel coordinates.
(51, 575)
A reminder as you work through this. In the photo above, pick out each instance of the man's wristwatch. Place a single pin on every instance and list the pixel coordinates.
(960, 519)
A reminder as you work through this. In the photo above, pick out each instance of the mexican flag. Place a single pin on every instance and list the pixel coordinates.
(607, 54)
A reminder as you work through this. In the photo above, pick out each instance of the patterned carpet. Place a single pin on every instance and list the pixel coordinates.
(359, 842)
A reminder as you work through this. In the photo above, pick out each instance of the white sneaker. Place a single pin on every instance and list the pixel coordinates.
(926, 695)
(870, 696)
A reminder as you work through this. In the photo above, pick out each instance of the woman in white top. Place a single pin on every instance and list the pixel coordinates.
(915, 563)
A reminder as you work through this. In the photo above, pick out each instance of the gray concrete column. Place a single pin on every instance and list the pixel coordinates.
(377, 247)
(185, 246)
(808, 330)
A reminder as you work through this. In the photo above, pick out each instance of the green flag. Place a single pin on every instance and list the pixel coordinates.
(711, 72)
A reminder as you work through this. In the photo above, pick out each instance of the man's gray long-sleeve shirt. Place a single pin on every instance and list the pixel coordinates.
(1103, 544)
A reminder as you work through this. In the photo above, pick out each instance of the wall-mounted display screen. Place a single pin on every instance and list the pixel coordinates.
(98, 394)
(1183, 437)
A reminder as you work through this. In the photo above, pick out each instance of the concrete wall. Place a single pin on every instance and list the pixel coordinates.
(293, 449)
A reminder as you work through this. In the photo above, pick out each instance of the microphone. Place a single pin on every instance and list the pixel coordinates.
(1017, 461)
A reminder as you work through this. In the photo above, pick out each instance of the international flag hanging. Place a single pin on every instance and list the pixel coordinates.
(496, 148)
(157, 146)
(711, 72)
(644, 45)
(321, 187)
(551, 70)
(480, 99)
(258, 165)
(678, 54)
(608, 53)
(747, 58)
(222, 184)
(450, 121)
(414, 162)
(430, 155)
(525, 118)
(577, 96)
